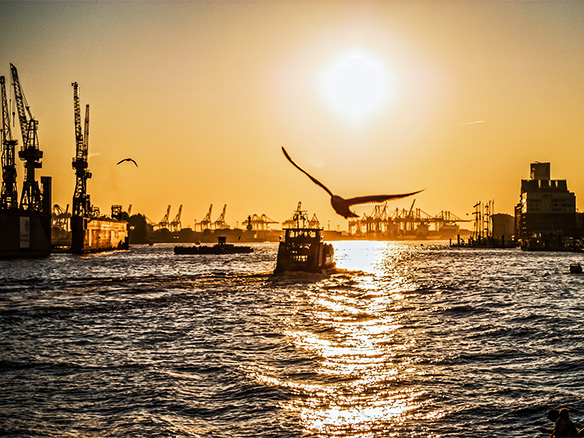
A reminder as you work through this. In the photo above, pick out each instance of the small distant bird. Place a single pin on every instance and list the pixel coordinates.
(341, 205)
(127, 159)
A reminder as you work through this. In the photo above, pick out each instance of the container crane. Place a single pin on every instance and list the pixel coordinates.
(164, 223)
(81, 203)
(30, 153)
(9, 194)
(220, 222)
(175, 225)
(206, 222)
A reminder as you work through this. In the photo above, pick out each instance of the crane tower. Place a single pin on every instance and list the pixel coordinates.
(81, 203)
(30, 153)
(9, 196)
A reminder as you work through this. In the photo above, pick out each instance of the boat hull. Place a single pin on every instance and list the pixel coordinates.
(24, 234)
(90, 235)
(216, 249)
(304, 250)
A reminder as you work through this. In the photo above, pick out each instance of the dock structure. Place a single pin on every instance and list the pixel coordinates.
(490, 230)
(90, 231)
(25, 228)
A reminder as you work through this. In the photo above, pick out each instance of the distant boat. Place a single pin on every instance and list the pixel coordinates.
(575, 268)
(303, 249)
(222, 247)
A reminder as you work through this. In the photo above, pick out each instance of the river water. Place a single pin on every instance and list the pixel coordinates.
(408, 340)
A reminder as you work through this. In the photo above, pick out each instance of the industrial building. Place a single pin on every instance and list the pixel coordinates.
(545, 217)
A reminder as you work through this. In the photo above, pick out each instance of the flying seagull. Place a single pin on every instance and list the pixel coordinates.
(128, 159)
(341, 205)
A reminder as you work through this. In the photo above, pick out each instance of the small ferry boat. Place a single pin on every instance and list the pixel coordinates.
(303, 248)
(222, 247)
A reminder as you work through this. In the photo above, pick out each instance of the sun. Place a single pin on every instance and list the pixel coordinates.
(356, 84)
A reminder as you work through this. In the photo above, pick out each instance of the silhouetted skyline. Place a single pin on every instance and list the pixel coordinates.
(455, 97)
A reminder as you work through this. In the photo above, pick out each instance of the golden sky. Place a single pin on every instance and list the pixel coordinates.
(457, 97)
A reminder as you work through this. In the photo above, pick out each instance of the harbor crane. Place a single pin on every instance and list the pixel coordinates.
(81, 202)
(30, 152)
(164, 223)
(258, 223)
(220, 222)
(9, 194)
(61, 217)
(205, 224)
(175, 225)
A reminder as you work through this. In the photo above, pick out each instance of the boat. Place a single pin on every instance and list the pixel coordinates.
(221, 247)
(575, 268)
(303, 248)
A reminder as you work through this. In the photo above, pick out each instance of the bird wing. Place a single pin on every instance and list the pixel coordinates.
(128, 159)
(372, 199)
(314, 180)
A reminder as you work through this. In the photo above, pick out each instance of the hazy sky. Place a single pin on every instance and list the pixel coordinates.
(457, 97)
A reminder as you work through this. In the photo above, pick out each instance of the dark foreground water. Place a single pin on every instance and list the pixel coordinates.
(412, 341)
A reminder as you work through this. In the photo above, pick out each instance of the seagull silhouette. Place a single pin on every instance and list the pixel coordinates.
(128, 159)
(341, 205)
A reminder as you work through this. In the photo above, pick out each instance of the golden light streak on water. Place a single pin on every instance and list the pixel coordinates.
(357, 335)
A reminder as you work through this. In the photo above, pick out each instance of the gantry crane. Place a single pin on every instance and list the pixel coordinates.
(9, 195)
(175, 225)
(29, 152)
(220, 222)
(164, 223)
(81, 202)
(206, 222)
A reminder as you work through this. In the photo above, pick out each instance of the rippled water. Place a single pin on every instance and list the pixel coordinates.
(410, 340)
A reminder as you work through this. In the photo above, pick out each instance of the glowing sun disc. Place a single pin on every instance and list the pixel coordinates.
(356, 84)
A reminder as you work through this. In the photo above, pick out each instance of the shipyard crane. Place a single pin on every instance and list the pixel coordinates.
(175, 225)
(29, 152)
(9, 195)
(81, 203)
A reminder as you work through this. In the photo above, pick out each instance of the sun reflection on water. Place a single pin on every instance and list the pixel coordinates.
(354, 325)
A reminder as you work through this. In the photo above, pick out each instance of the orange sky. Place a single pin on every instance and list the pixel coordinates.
(203, 95)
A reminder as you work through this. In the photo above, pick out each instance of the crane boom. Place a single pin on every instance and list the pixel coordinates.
(77, 114)
(9, 195)
(86, 133)
(20, 105)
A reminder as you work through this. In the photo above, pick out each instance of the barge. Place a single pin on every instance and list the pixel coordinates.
(222, 247)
